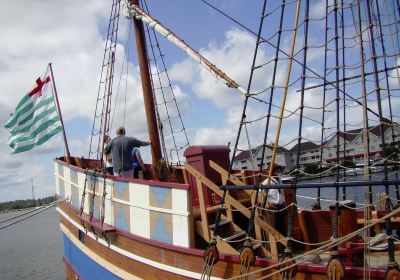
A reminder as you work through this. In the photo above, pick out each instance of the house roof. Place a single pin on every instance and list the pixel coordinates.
(350, 135)
(280, 149)
(246, 154)
(305, 146)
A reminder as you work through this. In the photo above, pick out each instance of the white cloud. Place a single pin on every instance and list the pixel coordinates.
(220, 135)
(394, 80)
(70, 34)
(318, 9)
(183, 71)
(233, 56)
(49, 33)
(34, 33)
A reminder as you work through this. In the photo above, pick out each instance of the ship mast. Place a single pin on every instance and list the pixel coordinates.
(148, 94)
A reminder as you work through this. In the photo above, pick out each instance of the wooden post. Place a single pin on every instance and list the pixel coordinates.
(60, 115)
(147, 94)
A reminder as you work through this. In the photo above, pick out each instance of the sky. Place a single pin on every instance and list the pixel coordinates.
(71, 35)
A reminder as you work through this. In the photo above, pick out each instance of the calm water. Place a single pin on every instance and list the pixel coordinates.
(32, 249)
(353, 193)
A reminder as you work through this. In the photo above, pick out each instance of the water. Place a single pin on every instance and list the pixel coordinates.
(32, 249)
(353, 193)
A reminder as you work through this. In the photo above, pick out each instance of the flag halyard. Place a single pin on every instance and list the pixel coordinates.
(36, 118)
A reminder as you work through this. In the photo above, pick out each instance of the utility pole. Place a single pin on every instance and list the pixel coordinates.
(33, 190)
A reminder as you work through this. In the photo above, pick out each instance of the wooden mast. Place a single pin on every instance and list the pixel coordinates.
(147, 93)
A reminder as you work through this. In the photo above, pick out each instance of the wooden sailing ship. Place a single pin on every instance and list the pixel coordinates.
(206, 220)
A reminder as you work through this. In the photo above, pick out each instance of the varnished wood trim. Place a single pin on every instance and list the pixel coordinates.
(98, 259)
(156, 266)
(131, 180)
(72, 274)
(184, 258)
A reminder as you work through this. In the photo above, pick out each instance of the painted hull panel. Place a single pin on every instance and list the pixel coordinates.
(87, 267)
(149, 233)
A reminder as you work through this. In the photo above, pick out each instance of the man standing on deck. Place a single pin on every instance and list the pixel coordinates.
(275, 201)
(121, 149)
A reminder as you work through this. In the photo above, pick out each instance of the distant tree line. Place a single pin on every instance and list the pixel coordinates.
(28, 203)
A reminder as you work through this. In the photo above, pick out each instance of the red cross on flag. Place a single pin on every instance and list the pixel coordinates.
(35, 119)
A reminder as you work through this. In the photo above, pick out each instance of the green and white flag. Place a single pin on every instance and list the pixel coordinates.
(35, 119)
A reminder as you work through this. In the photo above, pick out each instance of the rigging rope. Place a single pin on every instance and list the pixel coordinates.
(333, 243)
(161, 92)
(100, 126)
(324, 79)
(340, 93)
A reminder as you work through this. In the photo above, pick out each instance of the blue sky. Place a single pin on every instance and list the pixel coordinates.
(71, 35)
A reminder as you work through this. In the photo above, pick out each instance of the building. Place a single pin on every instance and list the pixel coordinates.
(351, 144)
(249, 160)
(310, 153)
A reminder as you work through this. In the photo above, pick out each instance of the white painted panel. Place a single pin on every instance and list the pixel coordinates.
(140, 221)
(109, 217)
(81, 180)
(180, 200)
(100, 187)
(80, 192)
(86, 205)
(181, 232)
(67, 175)
(139, 195)
(139, 214)
(67, 189)
(56, 178)
(109, 188)
(109, 212)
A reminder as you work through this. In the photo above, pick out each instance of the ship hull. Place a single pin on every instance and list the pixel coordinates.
(151, 238)
(131, 257)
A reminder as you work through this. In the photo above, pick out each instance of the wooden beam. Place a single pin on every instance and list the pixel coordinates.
(274, 235)
(224, 174)
(271, 230)
(203, 213)
(236, 204)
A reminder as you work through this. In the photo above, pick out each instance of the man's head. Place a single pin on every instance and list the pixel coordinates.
(120, 130)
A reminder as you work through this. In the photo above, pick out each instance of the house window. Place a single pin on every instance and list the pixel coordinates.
(244, 167)
(243, 161)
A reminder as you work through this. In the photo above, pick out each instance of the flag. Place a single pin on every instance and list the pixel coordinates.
(35, 119)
